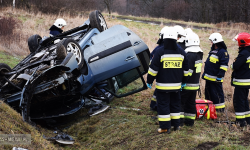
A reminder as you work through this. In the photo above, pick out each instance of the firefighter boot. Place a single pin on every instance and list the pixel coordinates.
(168, 131)
(177, 128)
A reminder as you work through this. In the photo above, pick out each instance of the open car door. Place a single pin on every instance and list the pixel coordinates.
(116, 65)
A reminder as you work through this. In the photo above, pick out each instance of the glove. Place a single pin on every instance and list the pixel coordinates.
(149, 85)
(183, 85)
(218, 79)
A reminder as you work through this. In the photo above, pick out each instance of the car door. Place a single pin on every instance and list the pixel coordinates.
(114, 60)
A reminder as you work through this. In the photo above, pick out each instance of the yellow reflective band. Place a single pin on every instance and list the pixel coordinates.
(223, 68)
(190, 117)
(248, 115)
(248, 61)
(211, 79)
(153, 99)
(151, 73)
(219, 107)
(191, 88)
(240, 117)
(168, 87)
(182, 116)
(241, 83)
(164, 119)
(190, 74)
(175, 117)
(198, 67)
(172, 58)
(186, 74)
(213, 60)
(208, 113)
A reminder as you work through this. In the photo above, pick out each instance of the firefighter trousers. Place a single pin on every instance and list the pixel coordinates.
(241, 105)
(188, 107)
(214, 92)
(153, 104)
(168, 108)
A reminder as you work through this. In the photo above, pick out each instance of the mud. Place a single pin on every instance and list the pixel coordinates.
(206, 146)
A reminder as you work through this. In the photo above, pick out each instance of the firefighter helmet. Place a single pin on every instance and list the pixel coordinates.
(170, 33)
(181, 33)
(162, 31)
(216, 38)
(243, 39)
(192, 39)
(59, 23)
(187, 31)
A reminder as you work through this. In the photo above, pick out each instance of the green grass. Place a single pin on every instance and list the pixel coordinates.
(9, 59)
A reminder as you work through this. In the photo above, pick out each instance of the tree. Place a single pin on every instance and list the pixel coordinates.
(108, 4)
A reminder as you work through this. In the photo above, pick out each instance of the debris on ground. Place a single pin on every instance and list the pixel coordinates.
(61, 138)
(98, 109)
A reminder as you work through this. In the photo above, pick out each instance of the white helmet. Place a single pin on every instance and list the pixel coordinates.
(192, 39)
(170, 33)
(188, 30)
(216, 38)
(163, 30)
(59, 23)
(180, 30)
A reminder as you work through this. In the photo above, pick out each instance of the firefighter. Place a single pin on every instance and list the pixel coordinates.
(241, 79)
(57, 27)
(215, 67)
(153, 104)
(181, 36)
(170, 68)
(188, 94)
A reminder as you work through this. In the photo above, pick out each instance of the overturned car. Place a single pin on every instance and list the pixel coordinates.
(62, 73)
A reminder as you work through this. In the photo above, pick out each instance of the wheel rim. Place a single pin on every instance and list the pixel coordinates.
(102, 22)
(73, 48)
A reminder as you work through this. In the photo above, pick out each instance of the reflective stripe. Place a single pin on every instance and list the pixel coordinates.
(164, 117)
(248, 115)
(168, 86)
(189, 117)
(182, 114)
(219, 106)
(211, 78)
(240, 113)
(240, 117)
(241, 81)
(213, 58)
(190, 72)
(152, 72)
(172, 56)
(198, 61)
(192, 86)
(186, 73)
(175, 115)
(248, 60)
(223, 67)
(153, 99)
(247, 112)
(154, 96)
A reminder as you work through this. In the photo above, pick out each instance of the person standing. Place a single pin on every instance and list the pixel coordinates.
(188, 94)
(241, 79)
(181, 36)
(169, 67)
(153, 103)
(215, 67)
(57, 27)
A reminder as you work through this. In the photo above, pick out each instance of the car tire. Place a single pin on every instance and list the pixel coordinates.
(33, 42)
(4, 68)
(61, 51)
(97, 21)
(71, 46)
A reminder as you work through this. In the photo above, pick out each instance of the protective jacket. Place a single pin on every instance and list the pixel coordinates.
(241, 69)
(182, 45)
(55, 30)
(216, 64)
(153, 52)
(194, 55)
(169, 66)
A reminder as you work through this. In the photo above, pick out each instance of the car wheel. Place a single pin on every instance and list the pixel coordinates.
(4, 68)
(61, 51)
(33, 42)
(97, 21)
(72, 46)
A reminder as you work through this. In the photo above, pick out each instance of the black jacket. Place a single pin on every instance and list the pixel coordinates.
(241, 69)
(169, 66)
(55, 30)
(195, 64)
(216, 64)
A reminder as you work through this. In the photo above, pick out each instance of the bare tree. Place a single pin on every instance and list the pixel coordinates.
(108, 4)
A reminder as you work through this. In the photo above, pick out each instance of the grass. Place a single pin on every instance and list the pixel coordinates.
(8, 59)
(126, 128)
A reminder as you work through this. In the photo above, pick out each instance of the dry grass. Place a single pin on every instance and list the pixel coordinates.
(125, 129)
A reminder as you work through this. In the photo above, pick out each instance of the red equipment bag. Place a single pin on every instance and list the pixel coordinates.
(205, 108)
